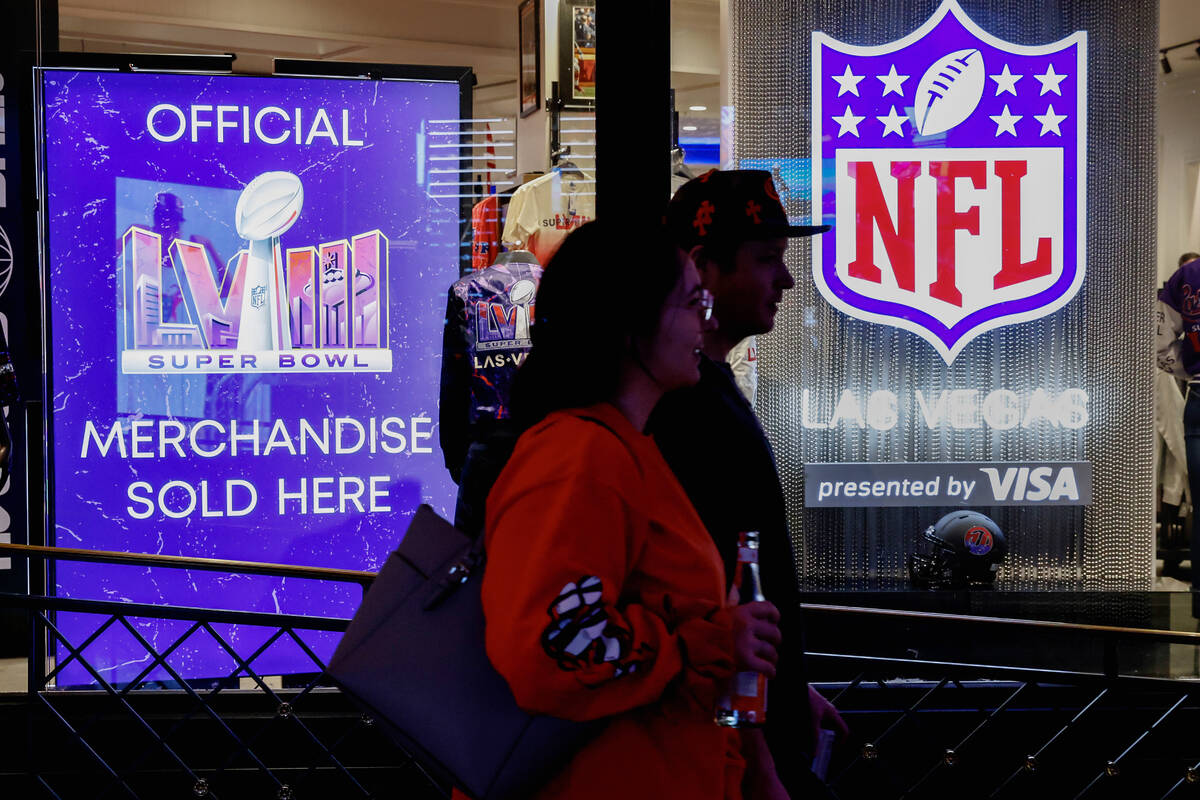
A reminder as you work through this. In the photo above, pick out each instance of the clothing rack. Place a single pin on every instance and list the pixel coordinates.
(467, 158)
(573, 141)
(678, 155)
(464, 161)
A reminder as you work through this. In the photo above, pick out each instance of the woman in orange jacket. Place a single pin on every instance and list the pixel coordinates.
(604, 595)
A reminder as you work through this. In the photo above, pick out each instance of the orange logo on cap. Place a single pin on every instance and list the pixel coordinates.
(752, 209)
(704, 216)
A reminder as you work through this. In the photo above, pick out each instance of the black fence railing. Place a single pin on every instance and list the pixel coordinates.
(922, 728)
(940, 729)
(161, 734)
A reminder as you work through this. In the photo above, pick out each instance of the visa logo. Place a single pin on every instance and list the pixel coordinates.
(1032, 485)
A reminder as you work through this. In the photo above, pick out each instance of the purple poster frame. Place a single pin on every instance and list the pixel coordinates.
(160, 432)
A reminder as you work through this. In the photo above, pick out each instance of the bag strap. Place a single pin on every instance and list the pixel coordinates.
(469, 562)
(474, 558)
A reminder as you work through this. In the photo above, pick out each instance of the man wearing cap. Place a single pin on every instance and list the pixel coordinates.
(736, 230)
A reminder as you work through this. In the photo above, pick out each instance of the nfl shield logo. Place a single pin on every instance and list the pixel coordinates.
(258, 296)
(952, 169)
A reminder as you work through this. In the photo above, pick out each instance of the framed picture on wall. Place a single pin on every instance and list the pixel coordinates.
(531, 57)
(577, 52)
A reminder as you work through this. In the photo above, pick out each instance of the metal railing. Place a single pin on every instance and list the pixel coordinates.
(921, 727)
(147, 738)
(936, 729)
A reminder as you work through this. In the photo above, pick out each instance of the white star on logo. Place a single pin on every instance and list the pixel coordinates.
(1006, 82)
(893, 83)
(848, 122)
(848, 82)
(1006, 122)
(1050, 81)
(893, 123)
(1050, 121)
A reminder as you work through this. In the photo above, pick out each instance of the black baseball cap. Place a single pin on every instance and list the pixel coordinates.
(737, 205)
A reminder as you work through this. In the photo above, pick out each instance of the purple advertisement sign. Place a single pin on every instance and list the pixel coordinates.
(246, 280)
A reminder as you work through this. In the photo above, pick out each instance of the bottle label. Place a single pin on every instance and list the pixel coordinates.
(745, 684)
(747, 555)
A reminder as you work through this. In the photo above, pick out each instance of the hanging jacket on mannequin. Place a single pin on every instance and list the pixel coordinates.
(485, 340)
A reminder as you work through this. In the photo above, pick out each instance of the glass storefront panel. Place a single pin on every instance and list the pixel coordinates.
(942, 334)
(214, 388)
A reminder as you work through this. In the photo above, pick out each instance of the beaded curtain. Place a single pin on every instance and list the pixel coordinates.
(1100, 341)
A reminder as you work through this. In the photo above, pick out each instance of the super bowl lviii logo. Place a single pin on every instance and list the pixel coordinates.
(952, 167)
(505, 326)
(319, 308)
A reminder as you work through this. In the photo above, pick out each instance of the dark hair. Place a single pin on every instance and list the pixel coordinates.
(606, 285)
(722, 252)
(1186, 257)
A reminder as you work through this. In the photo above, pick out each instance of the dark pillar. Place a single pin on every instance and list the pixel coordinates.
(633, 108)
(30, 28)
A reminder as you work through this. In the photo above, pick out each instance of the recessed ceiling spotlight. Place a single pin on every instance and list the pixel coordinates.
(690, 127)
(697, 108)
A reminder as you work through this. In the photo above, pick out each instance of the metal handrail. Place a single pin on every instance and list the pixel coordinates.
(964, 670)
(187, 613)
(362, 577)
(870, 760)
(1157, 634)
(366, 578)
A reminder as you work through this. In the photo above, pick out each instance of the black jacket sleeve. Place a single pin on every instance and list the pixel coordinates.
(454, 398)
(714, 445)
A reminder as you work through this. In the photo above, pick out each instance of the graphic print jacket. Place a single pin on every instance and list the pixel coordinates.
(1177, 329)
(485, 339)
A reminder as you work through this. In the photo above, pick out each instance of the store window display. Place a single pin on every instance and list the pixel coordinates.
(543, 211)
(548, 191)
(1177, 341)
(485, 340)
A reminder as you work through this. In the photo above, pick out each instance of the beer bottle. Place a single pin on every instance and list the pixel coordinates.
(744, 704)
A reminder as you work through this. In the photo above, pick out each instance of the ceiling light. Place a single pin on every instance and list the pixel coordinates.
(705, 108)
(690, 128)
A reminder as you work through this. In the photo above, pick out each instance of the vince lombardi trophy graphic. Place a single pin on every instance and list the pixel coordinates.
(267, 207)
(520, 294)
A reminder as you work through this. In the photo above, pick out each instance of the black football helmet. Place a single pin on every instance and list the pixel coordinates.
(967, 549)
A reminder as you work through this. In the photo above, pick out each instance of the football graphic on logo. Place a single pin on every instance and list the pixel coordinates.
(949, 91)
(269, 205)
(521, 292)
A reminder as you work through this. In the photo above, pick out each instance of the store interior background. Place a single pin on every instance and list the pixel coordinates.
(483, 34)
(1178, 142)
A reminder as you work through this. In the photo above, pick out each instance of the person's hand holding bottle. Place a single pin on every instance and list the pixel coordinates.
(756, 635)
